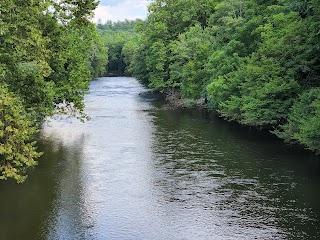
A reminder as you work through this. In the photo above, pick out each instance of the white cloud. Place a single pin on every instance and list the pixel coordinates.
(121, 10)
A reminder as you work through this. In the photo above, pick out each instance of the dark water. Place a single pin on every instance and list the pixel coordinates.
(138, 171)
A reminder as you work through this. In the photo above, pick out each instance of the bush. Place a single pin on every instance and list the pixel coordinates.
(189, 103)
(304, 121)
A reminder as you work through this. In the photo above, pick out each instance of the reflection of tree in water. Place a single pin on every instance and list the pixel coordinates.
(252, 181)
(68, 219)
(29, 210)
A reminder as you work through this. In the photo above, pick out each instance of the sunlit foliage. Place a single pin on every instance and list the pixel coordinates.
(49, 52)
(258, 61)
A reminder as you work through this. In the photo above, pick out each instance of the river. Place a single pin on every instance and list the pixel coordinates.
(140, 171)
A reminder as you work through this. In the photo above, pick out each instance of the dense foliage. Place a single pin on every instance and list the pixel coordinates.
(117, 37)
(17, 150)
(257, 61)
(49, 52)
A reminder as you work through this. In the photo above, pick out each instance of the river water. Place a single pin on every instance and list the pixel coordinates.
(140, 171)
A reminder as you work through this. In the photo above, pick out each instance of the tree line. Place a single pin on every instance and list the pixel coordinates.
(116, 36)
(49, 52)
(258, 62)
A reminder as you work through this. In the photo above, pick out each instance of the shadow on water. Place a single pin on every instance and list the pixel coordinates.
(252, 182)
(29, 211)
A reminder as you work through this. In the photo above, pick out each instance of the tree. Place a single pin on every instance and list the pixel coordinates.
(166, 22)
(190, 54)
(24, 56)
(49, 52)
(115, 35)
(303, 124)
(17, 150)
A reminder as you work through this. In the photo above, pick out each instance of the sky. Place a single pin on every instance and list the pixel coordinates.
(119, 10)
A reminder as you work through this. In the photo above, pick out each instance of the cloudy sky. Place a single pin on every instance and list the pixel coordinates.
(118, 10)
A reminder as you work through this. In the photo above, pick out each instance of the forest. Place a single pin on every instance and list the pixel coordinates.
(254, 62)
(257, 62)
(116, 36)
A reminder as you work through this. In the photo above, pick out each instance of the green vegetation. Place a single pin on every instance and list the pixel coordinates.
(49, 52)
(257, 61)
(17, 150)
(120, 39)
(189, 103)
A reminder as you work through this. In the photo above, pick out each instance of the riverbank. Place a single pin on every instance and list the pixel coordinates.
(115, 74)
(174, 101)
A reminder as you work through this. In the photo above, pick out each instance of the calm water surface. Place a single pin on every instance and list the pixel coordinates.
(142, 172)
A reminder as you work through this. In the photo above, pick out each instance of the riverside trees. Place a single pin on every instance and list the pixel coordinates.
(120, 38)
(258, 61)
(49, 52)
